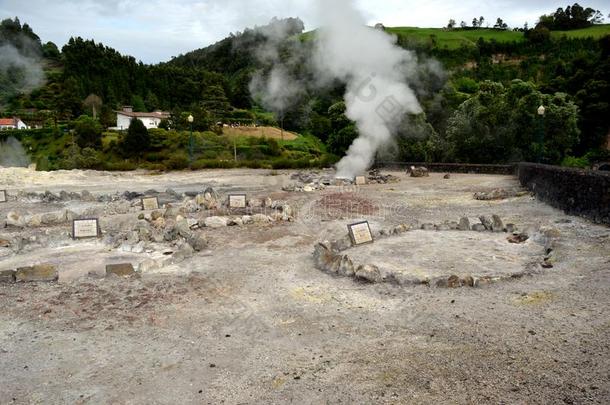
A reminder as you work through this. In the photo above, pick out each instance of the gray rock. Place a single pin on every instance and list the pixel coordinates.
(369, 273)
(40, 272)
(236, 222)
(7, 276)
(261, 219)
(86, 196)
(139, 247)
(447, 176)
(497, 224)
(121, 270)
(216, 222)
(419, 172)
(464, 224)
(246, 219)
(186, 251)
(453, 225)
(15, 219)
(148, 265)
(443, 227)
(428, 227)
(346, 267)
(486, 222)
(198, 242)
(479, 227)
(510, 228)
(495, 194)
(182, 228)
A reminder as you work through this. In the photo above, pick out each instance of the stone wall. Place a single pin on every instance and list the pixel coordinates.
(578, 192)
(509, 169)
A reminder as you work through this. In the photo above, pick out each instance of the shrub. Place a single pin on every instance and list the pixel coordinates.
(571, 161)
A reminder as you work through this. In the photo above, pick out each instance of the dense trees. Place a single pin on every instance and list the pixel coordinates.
(484, 111)
(88, 132)
(500, 124)
(137, 139)
(570, 18)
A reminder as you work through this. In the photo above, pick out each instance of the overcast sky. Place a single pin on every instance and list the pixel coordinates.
(155, 30)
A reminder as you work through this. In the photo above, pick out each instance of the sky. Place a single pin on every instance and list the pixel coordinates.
(155, 30)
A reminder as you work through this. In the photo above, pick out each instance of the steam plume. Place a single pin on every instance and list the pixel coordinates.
(22, 70)
(376, 73)
(12, 154)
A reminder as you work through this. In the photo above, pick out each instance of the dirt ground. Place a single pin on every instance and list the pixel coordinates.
(250, 319)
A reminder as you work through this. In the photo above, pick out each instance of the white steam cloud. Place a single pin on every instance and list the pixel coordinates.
(279, 89)
(12, 154)
(23, 71)
(376, 73)
(382, 80)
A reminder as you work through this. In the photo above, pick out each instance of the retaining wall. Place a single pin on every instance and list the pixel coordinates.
(578, 192)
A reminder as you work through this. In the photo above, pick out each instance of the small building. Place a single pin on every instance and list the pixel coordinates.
(12, 123)
(150, 120)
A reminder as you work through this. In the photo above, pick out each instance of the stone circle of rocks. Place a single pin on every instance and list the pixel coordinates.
(312, 181)
(331, 256)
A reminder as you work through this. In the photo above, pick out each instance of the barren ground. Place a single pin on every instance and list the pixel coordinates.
(250, 320)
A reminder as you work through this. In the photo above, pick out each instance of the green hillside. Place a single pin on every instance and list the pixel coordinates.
(456, 38)
(596, 31)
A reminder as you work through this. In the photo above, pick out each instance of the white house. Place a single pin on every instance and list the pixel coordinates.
(150, 120)
(12, 123)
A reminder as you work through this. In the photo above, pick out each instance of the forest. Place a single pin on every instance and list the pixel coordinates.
(480, 97)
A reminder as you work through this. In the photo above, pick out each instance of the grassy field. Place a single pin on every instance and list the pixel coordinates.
(454, 39)
(260, 132)
(597, 31)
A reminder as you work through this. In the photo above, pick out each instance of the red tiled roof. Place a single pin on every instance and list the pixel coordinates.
(7, 121)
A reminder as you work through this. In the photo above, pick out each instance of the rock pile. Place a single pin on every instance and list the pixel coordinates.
(419, 171)
(493, 224)
(376, 177)
(499, 194)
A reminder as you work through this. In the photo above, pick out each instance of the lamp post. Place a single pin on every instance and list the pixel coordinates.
(541, 111)
(190, 119)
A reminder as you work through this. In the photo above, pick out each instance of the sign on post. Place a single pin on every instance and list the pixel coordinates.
(360, 233)
(237, 201)
(150, 203)
(85, 228)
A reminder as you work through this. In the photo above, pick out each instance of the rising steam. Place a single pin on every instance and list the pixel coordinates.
(12, 154)
(22, 71)
(376, 73)
(381, 79)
